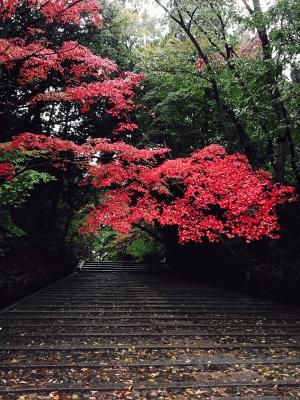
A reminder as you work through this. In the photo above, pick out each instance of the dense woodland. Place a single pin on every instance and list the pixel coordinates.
(154, 130)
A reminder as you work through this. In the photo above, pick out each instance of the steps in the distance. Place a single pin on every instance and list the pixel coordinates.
(121, 266)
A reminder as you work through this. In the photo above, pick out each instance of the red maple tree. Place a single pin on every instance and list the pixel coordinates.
(210, 195)
(6, 170)
(45, 67)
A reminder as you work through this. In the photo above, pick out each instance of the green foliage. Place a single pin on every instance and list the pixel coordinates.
(143, 249)
(242, 98)
(107, 245)
(104, 245)
(9, 231)
(176, 110)
(13, 193)
(125, 31)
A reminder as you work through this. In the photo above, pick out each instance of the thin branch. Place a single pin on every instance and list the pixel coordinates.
(249, 9)
(149, 231)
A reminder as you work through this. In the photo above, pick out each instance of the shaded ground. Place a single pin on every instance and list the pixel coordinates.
(23, 273)
(137, 335)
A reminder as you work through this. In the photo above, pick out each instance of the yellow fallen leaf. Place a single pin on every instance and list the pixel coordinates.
(154, 374)
(190, 391)
(85, 370)
(22, 398)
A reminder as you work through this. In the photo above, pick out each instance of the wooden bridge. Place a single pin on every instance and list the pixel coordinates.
(133, 331)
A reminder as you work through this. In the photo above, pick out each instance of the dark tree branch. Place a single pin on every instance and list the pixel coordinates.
(149, 231)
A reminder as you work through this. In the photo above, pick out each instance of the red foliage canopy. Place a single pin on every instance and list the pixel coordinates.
(211, 194)
(65, 70)
(66, 11)
(6, 171)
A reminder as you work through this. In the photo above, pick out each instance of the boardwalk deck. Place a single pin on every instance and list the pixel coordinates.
(133, 332)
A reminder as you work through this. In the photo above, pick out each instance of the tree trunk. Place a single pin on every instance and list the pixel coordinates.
(284, 139)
